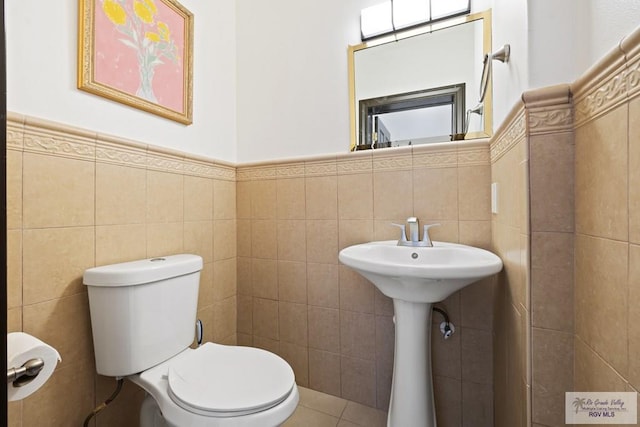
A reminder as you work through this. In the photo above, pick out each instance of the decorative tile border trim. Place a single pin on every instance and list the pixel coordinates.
(116, 151)
(601, 88)
(392, 163)
(257, 173)
(510, 136)
(611, 93)
(224, 172)
(608, 84)
(243, 175)
(355, 162)
(392, 159)
(197, 168)
(437, 155)
(15, 132)
(295, 170)
(271, 170)
(35, 135)
(355, 165)
(630, 45)
(44, 137)
(321, 168)
(550, 120)
(549, 110)
(437, 159)
(633, 79)
(474, 155)
(165, 160)
(116, 155)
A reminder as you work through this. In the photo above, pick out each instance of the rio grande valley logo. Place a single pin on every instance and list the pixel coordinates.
(601, 408)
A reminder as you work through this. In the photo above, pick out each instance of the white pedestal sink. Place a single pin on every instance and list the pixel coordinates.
(416, 277)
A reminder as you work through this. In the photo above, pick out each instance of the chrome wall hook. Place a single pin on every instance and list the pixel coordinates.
(502, 54)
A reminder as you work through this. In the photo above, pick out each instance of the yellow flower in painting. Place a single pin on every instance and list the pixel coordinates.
(114, 12)
(164, 31)
(143, 11)
(152, 49)
(151, 6)
(154, 37)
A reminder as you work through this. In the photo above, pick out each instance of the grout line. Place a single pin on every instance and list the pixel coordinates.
(628, 221)
(21, 236)
(95, 212)
(343, 410)
(146, 211)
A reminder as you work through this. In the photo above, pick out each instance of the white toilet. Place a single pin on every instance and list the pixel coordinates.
(143, 316)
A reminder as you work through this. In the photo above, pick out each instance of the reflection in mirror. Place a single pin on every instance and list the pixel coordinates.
(386, 73)
(431, 115)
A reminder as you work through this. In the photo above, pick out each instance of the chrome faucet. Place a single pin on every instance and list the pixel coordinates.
(414, 231)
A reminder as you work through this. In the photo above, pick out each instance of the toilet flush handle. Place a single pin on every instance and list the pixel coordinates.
(199, 332)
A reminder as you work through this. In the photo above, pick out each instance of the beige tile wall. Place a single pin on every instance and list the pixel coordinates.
(532, 163)
(581, 155)
(551, 195)
(607, 244)
(66, 204)
(510, 241)
(333, 326)
(78, 200)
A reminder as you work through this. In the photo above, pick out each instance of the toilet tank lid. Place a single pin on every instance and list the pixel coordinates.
(142, 271)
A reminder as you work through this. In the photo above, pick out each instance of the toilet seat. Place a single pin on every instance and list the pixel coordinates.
(184, 409)
(224, 381)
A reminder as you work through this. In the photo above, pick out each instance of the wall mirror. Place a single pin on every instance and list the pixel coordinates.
(421, 85)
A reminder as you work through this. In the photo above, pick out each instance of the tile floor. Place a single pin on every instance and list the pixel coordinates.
(317, 409)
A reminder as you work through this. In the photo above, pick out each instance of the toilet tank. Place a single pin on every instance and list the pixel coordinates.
(142, 312)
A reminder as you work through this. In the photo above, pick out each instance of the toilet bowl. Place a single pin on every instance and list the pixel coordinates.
(143, 322)
(218, 385)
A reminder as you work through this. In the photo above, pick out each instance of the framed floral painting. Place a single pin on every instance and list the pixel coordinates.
(139, 53)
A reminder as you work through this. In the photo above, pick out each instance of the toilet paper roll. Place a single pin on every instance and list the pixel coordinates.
(22, 347)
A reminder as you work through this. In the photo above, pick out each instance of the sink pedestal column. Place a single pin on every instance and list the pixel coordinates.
(412, 402)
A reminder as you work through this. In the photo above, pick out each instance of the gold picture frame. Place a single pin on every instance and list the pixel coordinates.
(138, 53)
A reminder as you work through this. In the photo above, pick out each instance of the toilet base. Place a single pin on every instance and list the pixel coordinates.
(150, 415)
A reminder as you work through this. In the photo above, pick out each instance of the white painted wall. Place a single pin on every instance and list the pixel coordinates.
(558, 31)
(270, 78)
(41, 78)
(553, 42)
(510, 26)
(569, 36)
(609, 22)
(292, 75)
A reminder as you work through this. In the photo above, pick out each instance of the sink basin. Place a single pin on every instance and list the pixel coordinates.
(420, 274)
(416, 277)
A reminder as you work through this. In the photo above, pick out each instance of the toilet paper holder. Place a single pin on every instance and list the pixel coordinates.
(26, 373)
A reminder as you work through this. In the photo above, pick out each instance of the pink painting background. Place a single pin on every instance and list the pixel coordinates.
(116, 64)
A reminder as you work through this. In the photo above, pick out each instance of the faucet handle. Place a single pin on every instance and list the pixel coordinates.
(403, 234)
(425, 233)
